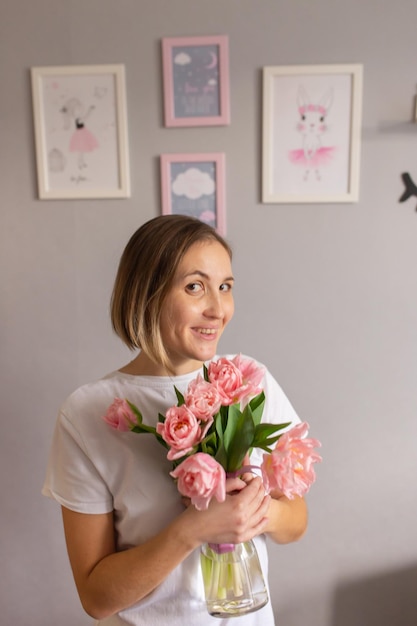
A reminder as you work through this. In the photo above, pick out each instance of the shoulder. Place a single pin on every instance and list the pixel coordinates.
(91, 390)
(91, 399)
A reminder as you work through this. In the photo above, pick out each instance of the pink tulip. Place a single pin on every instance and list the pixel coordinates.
(289, 468)
(203, 399)
(119, 415)
(252, 375)
(227, 378)
(181, 431)
(201, 478)
(236, 379)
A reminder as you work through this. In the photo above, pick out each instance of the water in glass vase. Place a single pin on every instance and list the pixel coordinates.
(233, 580)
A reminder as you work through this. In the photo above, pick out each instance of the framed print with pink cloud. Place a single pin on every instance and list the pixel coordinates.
(194, 185)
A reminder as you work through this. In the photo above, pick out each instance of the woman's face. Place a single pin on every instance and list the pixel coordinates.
(198, 306)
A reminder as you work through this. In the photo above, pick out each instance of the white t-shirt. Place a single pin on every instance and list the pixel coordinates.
(95, 469)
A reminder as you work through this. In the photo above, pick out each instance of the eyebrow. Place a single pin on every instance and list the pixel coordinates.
(203, 275)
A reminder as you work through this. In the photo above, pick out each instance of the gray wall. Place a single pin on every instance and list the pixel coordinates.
(326, 293)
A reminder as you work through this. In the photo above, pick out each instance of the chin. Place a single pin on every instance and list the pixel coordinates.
(209, 354)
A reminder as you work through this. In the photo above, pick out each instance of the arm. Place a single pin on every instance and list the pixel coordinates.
(108, 581)
(287, 519)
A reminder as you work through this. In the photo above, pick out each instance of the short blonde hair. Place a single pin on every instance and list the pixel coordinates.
(144, 278)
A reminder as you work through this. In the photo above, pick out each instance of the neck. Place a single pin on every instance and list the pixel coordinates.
(143, 365)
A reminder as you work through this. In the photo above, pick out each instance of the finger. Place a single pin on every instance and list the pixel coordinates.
(259, 528)
(259, 516)
(234, 484)
(247, 477)
(256, 495)
(255, 488)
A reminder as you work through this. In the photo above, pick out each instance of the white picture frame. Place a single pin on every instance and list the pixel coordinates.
(80, 124)
(311, 133)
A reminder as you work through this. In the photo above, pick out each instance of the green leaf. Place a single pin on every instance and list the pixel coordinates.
(136, 411)
(224, 414)
(209, 443)
(208, 448)
(238, 439)
(257, 405)
(142, 428)
(150, 430)
(240, 446)
(221, 456)
(205, 372)
(218, 424)
(231, 424)
(264, 431)
(264, 447)
(180, 397)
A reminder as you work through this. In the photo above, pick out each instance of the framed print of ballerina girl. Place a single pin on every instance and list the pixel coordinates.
(81, 131)
(311, 133)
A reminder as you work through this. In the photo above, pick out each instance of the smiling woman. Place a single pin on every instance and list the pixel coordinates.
(198, 306)
(146, 283)
(134, 547)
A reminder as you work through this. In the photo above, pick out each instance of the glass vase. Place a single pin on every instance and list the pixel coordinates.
(233, 579)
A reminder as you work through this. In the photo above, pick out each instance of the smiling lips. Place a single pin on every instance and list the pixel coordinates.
(207, 331)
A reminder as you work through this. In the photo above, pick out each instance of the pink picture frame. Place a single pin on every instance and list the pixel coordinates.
(194, 185)
(196, 81)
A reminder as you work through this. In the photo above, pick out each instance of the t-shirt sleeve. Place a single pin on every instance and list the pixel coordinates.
(71, 477)
(278, 410)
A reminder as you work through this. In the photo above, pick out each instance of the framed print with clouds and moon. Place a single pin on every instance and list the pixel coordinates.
(196, 81)
(194, 185)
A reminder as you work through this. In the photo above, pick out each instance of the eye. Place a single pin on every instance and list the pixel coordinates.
(225, 287)
(303, 117)
(322, 119)
(194, 287)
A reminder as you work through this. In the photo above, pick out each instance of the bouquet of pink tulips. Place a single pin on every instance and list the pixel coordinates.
(208, 435)
(213, 427)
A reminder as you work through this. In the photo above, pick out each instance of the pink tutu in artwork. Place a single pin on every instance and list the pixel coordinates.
(83, 141)
(320, 157)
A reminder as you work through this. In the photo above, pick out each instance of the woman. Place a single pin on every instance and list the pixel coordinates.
(133, 546)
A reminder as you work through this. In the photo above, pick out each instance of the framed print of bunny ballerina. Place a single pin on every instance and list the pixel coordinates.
(311, 133)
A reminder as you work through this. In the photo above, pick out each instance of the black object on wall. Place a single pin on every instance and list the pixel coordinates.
(410, 187)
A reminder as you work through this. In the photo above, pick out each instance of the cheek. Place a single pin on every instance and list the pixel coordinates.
(173, 311)
(230, 309)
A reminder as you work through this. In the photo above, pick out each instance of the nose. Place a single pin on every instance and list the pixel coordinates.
(214, 306)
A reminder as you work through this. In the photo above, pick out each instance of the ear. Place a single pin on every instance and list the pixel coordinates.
(303, 99)
(327, 100)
